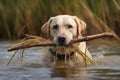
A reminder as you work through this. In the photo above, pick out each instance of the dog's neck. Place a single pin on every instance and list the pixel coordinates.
(60, 55)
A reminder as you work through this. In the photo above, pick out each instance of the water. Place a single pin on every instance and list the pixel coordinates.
(107, 57)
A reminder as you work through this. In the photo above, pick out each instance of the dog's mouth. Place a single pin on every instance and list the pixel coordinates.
(61, 41)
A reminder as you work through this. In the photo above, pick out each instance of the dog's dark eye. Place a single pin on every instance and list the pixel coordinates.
(70, 26)
(55, 27)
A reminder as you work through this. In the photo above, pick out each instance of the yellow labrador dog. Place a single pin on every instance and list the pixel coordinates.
(61, 30)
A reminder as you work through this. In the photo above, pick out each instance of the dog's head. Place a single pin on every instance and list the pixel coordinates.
(63, 28)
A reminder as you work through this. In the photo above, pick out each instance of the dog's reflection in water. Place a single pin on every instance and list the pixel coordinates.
(65, 71)
(69, 72)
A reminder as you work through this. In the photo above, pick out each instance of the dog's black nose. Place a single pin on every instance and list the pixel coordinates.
(61, 40)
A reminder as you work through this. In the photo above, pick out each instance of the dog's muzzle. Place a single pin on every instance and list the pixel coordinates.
(61, 40)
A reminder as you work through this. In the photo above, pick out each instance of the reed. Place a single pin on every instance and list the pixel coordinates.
(19, 17)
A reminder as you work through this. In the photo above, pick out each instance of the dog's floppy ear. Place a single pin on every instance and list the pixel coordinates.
(81, 26)
(46, 28)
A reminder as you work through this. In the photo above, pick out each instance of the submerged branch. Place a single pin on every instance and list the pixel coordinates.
(35, 41)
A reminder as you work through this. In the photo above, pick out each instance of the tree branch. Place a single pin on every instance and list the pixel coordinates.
(35, 41)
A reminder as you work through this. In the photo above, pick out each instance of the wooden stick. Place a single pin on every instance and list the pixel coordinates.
(91, 37)
(36, 42)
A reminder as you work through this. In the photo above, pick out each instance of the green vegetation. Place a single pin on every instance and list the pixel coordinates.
(19, 17)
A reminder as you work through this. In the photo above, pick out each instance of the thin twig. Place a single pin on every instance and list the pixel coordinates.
(12, 57)
(84, 55)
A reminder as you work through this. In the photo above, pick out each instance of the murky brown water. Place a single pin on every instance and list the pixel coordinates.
(108, 68)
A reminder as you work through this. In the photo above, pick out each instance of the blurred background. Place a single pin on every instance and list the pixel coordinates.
(19, 17)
